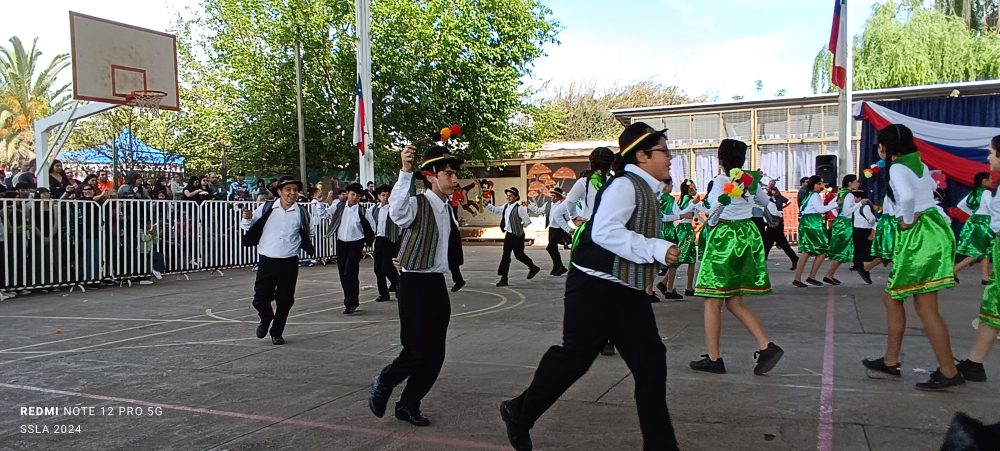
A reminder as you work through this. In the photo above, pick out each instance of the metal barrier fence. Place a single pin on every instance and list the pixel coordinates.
(59, 243)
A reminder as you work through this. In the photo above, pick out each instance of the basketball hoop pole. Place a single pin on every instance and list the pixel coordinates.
(45, 125)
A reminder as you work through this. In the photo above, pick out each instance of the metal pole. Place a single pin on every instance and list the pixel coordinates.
(301, 118)
(845, 163)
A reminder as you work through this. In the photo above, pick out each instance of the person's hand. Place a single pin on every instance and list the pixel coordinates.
(673, 253)
(247, 214)
(904, 226)
(579, 221)
(687, 216)
(406, 156)
(397, 264)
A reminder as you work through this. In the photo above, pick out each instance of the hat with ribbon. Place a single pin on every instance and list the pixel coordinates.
(638, 136)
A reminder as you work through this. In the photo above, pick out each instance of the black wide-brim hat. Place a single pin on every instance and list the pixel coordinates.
(558, 192)
(355, 188)
(435, 156)
(286, 180)
(514, 191)
(382, 189)
(638, 136)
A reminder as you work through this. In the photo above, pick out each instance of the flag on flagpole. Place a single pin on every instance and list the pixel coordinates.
(838, 46)
(359, 117)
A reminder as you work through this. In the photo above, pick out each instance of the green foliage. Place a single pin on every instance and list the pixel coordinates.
(435, 63)
(26, 95)
(906, 44)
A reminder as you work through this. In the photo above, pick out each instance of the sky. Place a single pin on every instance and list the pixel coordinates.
(716, 48)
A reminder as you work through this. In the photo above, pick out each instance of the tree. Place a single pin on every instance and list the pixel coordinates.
(906, 44)
(26, 96)
(979, 15)
(584, 112)
(435, 63)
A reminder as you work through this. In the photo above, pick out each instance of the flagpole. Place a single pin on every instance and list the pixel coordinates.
(846, 155)
(299, 113)
(366, 159)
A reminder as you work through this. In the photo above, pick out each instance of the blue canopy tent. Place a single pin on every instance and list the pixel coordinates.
(133, 155)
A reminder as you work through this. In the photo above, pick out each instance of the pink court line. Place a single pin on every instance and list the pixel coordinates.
(452, 442)
(824, 432)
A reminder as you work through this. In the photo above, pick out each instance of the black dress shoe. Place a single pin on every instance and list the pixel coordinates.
(457, 286)
(411, 416)
(502, 282)
(277, 340)
(518, 436)
(865, 275)
(562, 270)
(349, 310)
(261, 331)
(378, 397)
(815, 282)
(382, 298)
(532, 272)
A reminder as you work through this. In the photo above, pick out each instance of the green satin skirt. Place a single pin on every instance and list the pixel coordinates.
(667, 231)
(734, 263)
(989, 309)
(885, 232)
(702, 241)
(841, 240)
(812, 235)
(924, 258)
(976, 239)
(684, 234)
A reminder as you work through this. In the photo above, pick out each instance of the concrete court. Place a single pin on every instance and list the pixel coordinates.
(187, 348)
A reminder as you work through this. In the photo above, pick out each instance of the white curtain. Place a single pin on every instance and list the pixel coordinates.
(706, 168)
(680, 169)
(773, 163)
(803, 162)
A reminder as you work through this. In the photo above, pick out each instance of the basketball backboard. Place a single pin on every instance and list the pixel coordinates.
(110, 60)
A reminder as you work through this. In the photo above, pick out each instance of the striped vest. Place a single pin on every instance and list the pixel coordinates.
(420, 240)
(514, 219)
(334, 224)
(392, 231)
(645, 220)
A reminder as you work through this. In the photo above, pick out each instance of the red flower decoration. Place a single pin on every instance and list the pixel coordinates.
(455, 130)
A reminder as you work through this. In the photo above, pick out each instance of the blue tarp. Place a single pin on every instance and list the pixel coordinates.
(142, 153)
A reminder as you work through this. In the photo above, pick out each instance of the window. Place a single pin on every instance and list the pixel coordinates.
(774, 163)
(803, 161)
(706, 168)
(772, 125)
(706, 129)
(680, 167)
(805, 122)
(679, 130)
(737, 126)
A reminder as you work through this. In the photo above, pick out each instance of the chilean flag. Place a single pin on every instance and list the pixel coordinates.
(359, 118)
(838, 46)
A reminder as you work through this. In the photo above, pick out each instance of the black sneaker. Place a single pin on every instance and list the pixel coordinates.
(458, 286)
(880, 366)
(673, 295)
(799, 284)
(689, 293)
(654, 298)
(532, 272)
(378, 397)
(972, 371)
(815, 282)
(767, 358)
(518, 436)
(708, 365)
(865, 275)
(663, 288)
(937, 381)
(609, 349)
(831, 281)
(502, 282)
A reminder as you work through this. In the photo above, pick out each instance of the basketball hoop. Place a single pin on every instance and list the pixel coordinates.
(147, 100)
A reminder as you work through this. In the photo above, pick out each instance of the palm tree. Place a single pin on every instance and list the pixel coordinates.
(25, 97)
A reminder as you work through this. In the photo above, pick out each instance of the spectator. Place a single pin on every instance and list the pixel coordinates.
(25, 190)
(370, 193)
(193, 190)
(104, 183)
(239, 190)
(215, 187)
(177, 187)
(148, 241)
(58, 179)
(27, 174)
(132, 188)
(262, 190)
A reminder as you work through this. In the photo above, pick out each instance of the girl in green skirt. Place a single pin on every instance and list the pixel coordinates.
(976, 239)
(922, 261)
(813, 241)
(734, 264)
(989, 310)
(668, 214)
(885, 231)
(701, 212)
(841, 248)
(684, 237)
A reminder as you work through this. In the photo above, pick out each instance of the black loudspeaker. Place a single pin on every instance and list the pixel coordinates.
(826, 168)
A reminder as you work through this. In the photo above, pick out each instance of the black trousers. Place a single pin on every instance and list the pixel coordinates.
(597, 310)
(761, 225)
(275, 282)
(515, 244)
(348, 265)
(384, 269)
(424, 313)
(776, 235)
(862, 246)
(557, 237)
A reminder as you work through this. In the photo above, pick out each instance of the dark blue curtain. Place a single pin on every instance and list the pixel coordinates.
(977, 111)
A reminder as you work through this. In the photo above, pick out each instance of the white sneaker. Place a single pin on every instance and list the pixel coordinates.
(145, 282)
(158, 275)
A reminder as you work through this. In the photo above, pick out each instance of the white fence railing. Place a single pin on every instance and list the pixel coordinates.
(53, 243)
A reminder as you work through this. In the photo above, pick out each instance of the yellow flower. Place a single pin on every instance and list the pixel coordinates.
(735, 173)
(737, 191)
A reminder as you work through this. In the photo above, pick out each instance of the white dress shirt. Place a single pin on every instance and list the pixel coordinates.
(912, 194)
(380, 222)
(403, 211)
(350, 222)
(740, 208)
(559, 216)
(864, 218)
(580, 199)
(673, 216)
(280, 238)
(994, 208)
(608, 226)
(888, 207)
(815, 205)
(984, 204)
(522, 212)
(683, 211)
(850, 205)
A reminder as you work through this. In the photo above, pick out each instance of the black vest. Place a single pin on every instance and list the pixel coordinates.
(252, 237)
